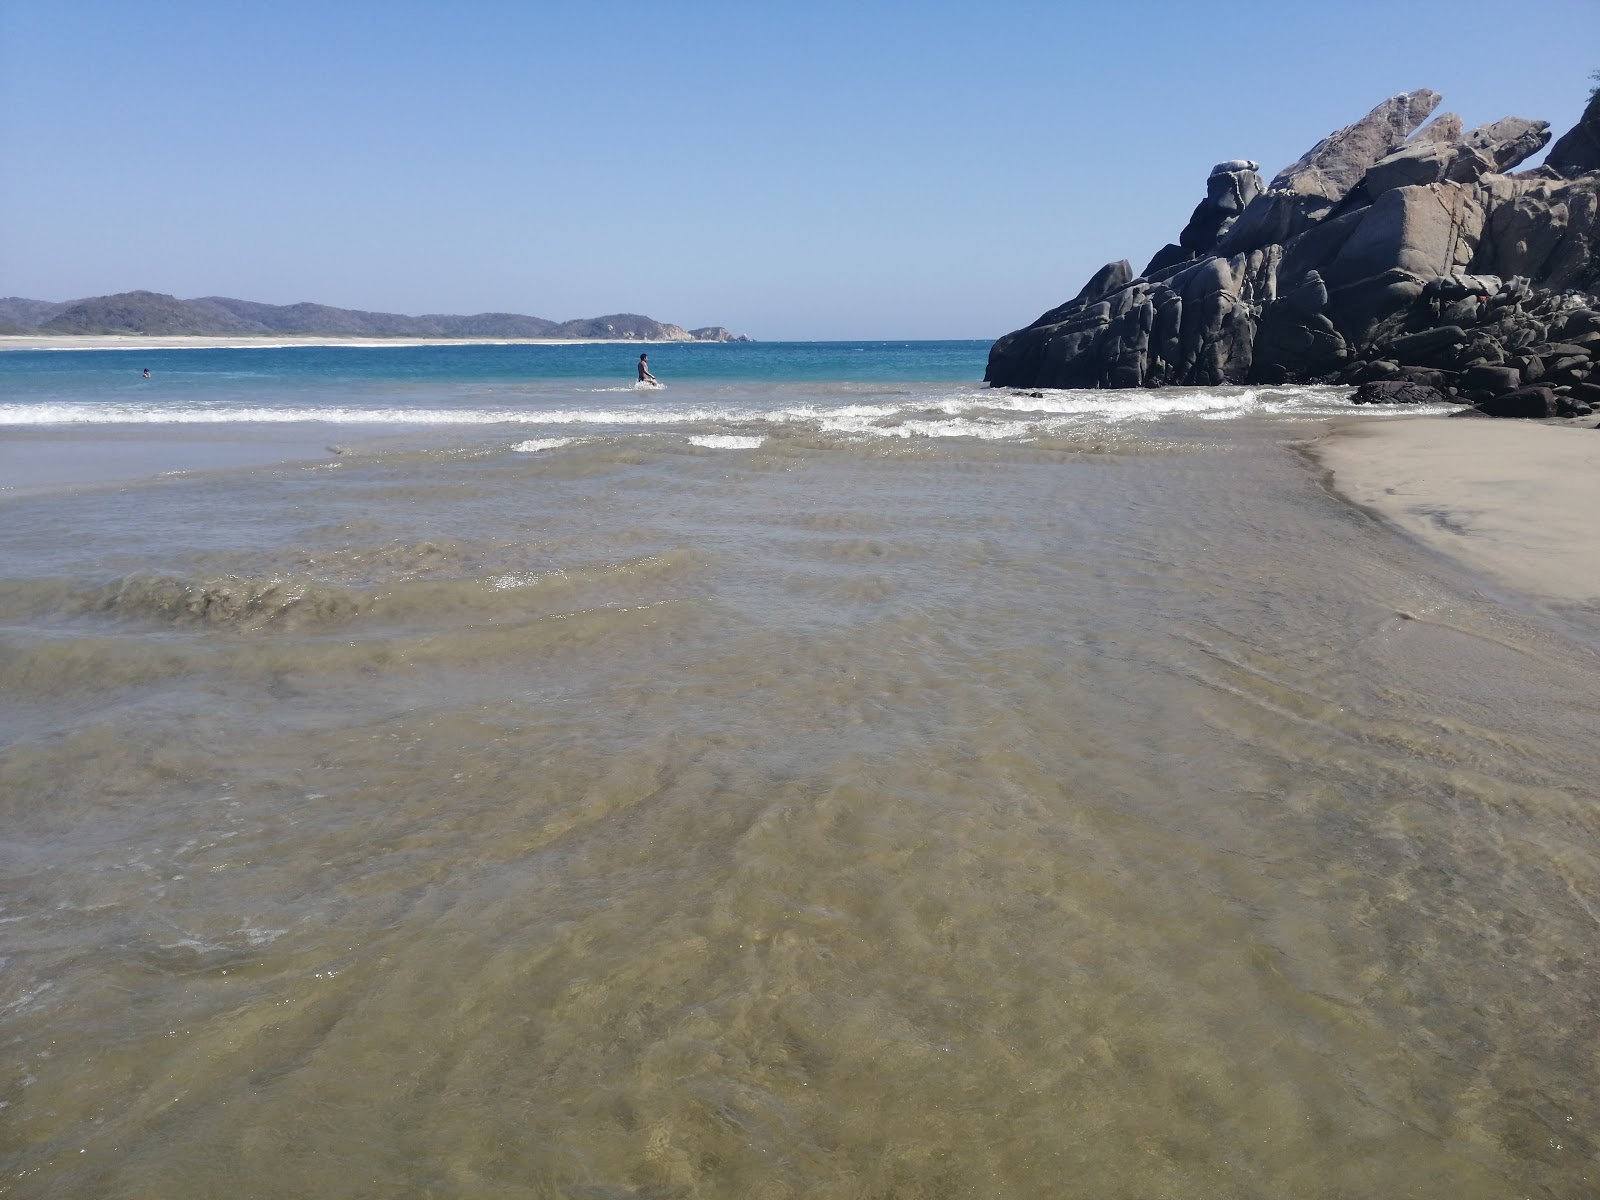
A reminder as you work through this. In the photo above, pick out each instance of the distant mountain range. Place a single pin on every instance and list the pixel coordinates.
(156, 314)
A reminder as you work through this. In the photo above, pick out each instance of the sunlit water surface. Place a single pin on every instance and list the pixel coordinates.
(802, 787)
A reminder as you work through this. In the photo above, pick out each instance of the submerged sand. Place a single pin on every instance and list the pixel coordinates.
(1516, 502)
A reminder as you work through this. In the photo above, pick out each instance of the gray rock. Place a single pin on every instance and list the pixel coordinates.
(1318, 246)
(1380, 369)
(1509, 140)
(1439, 381)
(1110, 278)
(1532, 403)
(1553, 350)
(1541, 231)
(1170, 255)
(1577, 151)
(1426, 162)
(1427, 341)
(1228, 192)
(1272, 218)
(1446, 127)
(1359, 310)
(1398, 391)
(1425, 231)
(1387, 251)
(1491, 379)
(1336, 164)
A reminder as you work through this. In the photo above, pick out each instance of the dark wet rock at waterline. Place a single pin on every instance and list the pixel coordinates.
(1398, 391)
(1534, 402)
(1392, 250)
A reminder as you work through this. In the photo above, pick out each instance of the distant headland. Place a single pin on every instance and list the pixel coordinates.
(1407, 256)
(154, 314)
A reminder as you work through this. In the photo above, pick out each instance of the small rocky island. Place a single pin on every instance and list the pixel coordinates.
(1403, 254)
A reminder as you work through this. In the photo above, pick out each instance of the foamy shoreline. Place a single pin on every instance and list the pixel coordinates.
(1512, 500)
(133, 341)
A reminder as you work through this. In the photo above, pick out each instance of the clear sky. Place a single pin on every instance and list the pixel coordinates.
(796, 170)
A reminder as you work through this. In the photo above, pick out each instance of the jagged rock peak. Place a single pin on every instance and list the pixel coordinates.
(1336, 164)
(1446, 127)
(1510, 140)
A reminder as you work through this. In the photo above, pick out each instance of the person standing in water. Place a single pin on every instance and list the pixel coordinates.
(644, 370)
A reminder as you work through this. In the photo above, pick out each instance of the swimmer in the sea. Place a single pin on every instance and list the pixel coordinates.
(644, 370)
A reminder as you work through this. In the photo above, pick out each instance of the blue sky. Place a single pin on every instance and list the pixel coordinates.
(800, 171)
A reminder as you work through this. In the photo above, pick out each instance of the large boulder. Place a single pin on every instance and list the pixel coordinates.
(1408, 236)
(1418, 163)
(1230, 188)
(1508, 141)
(1336, 164)
(1446, 127)
(1533, 403)
(1422, 230)
(1544, 231)
(1577, 151)
(1490, 379)
(1398, 391)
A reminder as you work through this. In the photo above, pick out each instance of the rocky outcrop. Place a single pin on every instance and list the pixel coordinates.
(1392, 247)
(1331, 168)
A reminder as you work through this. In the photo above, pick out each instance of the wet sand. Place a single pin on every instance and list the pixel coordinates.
(1513, 501)
(848, 815)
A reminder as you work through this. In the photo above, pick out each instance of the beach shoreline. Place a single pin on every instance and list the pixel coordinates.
(1512, 501)
(141, 341)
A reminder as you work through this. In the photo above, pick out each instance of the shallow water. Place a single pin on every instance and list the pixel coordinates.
(1077, 801)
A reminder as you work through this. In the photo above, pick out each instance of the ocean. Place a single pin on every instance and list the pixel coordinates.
(449, 772)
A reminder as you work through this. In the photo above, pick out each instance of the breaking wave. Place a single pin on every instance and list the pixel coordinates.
(726, 441)
(970, 412)
(534, 445)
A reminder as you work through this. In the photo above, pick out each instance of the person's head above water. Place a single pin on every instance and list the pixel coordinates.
(642, 357)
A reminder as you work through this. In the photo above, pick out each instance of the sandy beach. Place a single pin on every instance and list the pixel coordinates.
(137, 341)
(1513, 501)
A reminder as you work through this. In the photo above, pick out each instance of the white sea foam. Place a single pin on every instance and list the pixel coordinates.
(902, 411)
(956, 427)
(534, 445)
(725, 441)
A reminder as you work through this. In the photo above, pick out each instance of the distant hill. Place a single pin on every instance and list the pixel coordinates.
(154, 313)
(29, 314)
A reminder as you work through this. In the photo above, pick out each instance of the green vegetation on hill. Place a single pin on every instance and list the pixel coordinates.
(154, 313)
(130, 312)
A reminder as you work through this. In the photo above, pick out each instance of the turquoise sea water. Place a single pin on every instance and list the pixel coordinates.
(189, 375)
(700, 361)
(450, 772)
(859, 389)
